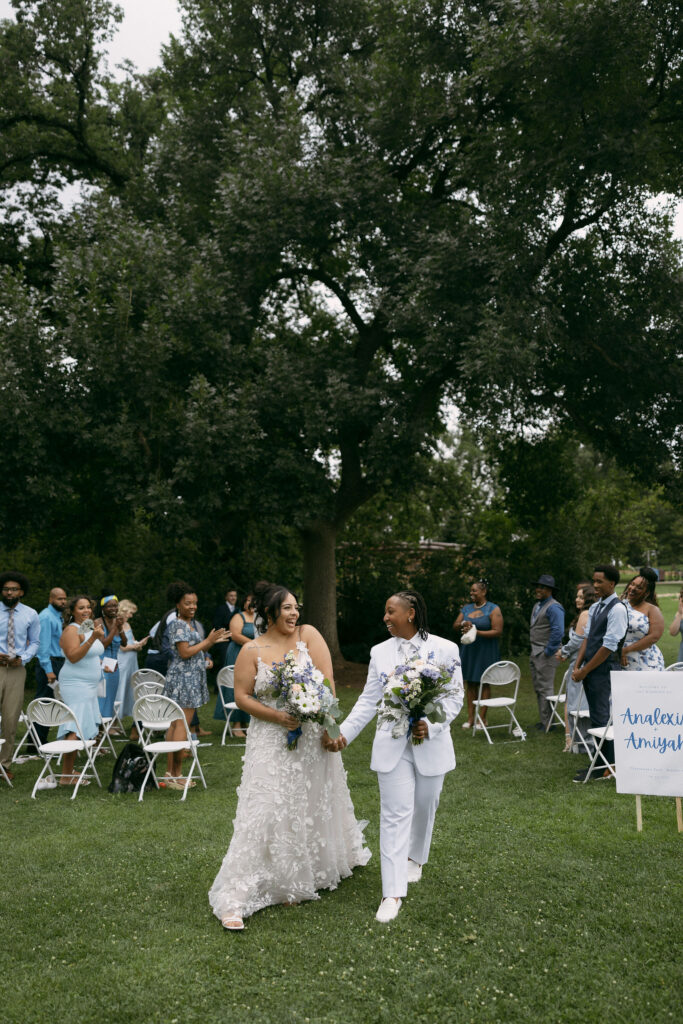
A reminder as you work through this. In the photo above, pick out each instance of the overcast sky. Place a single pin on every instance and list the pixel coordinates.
(147, 24)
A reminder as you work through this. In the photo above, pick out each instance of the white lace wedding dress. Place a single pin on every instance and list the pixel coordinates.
(295, 830)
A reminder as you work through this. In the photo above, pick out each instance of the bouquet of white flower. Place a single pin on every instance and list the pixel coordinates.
(303, 691)
(414, 690)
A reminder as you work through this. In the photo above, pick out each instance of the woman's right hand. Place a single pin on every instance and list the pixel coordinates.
(288, 721)
(466, 626)
(98, 633)
(216, 636)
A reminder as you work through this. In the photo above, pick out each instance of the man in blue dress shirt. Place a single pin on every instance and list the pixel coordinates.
(598, 655)
(19, 638)
(545, 634)
(50, 658)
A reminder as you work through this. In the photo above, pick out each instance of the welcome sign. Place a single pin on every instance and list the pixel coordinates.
(647, 709)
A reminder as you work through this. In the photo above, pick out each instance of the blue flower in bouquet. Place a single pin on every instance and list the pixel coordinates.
(303, 692)
(414, 690)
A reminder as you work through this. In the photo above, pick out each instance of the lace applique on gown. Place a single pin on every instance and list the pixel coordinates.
(295, 830)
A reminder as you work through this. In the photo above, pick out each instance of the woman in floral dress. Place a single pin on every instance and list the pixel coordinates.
(645, 625)
(186, 676)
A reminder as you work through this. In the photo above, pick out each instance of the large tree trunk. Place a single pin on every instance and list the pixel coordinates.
(320, 582)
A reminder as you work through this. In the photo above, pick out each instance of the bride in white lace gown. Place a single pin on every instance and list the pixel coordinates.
(295, 831)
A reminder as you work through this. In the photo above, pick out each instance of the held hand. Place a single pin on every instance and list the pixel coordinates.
(558, 655)
(466, 626)
(288, 721)
(623, 660)
(50, 677)
(577, 675)
(141, 643)
(420, 730)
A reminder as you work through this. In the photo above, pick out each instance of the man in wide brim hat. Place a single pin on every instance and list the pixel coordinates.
(545, 634)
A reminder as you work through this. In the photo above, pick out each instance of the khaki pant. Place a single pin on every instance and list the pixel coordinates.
(11, 702)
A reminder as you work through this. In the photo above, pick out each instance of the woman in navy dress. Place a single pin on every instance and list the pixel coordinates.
(486, 618)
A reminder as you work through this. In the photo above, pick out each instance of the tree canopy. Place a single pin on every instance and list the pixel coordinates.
(316, 225)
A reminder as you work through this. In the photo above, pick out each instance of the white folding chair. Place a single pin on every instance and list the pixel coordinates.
(24, 739)
(581, 715)
(2, 769)
(557, 700)
(50, 712)
(676, 667)
(501, 673)
(146, 675)
(226, 677)
(160, 711)
(601, 734)
(148, 688)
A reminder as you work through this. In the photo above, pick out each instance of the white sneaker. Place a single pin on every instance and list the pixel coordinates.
(466, 725)
(414, 871)
(24, 758)
(47, 783)
(388, 910)
(519, 733)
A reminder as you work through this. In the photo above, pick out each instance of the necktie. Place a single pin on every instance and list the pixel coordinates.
(11, 652)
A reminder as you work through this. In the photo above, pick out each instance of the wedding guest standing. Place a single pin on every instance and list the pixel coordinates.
(186, 676)
(128, 658)
(79, 678)
(112, 623)
(598, 656)
(545, 634)
(486, 618)
(575, 701)
(221, 620)
(410, 777)
(19, 639)
(50, 658)
(645, 625)
(242, 630)
(676, 626)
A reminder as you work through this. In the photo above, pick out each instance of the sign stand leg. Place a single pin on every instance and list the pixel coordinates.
(679, 814)
(639, 813)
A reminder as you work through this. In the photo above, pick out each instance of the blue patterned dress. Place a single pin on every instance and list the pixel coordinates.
(186, 677)
(651, 659)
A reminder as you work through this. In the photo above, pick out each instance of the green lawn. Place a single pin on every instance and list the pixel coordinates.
(541, 902)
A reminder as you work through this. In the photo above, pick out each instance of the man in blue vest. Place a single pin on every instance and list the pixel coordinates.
(546, 630)
(598, 655)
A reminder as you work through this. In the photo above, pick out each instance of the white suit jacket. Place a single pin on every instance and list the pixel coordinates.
(435, 755)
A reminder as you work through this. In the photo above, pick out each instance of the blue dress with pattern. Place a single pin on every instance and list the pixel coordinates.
(186, 677)
(651, 659)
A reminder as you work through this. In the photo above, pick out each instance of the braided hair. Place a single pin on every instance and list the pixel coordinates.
(417, 602)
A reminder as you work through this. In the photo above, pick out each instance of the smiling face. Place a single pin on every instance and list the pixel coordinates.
(478, 593)
(602, 586)
(288, 616)
(399, 618)
(187, 607)
(82, 611)
(110, 609)
(637, 591)
(580, 600)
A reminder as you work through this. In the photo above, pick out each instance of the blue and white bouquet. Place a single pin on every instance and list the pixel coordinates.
(303, 691)
(414, 690)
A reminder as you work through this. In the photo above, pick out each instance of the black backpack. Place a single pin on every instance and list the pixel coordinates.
(130, 770)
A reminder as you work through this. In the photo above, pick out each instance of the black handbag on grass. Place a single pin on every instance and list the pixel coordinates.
(129, 771)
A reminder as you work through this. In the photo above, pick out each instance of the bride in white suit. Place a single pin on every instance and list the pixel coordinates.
(410, 777)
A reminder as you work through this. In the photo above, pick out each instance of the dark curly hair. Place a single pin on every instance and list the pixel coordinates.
(268, 598)
(15, 577)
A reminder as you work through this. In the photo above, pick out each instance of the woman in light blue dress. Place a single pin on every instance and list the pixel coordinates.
(79, 678)
(186, 676)
(585, 597)
(112, 624)
(128, 658)
(645, 625)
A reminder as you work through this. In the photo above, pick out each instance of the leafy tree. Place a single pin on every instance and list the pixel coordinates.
(357, 211)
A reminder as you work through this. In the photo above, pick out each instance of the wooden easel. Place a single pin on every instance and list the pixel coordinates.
(639, 813)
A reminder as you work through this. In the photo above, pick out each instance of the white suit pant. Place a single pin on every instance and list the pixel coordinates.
(408, 803)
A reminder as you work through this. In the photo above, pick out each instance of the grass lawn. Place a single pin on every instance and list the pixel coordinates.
(541, 902)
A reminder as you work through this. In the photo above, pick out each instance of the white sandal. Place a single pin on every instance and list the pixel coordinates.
(233, 923)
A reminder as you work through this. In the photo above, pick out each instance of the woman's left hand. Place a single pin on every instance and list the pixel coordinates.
(420, 730)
